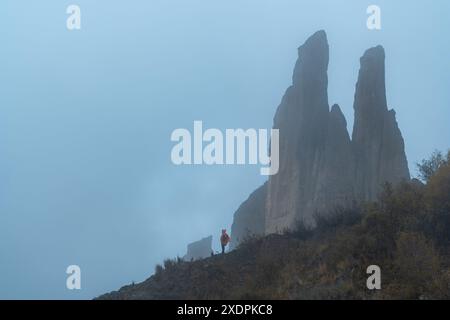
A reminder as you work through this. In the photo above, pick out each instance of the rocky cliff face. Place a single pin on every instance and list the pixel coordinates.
(199, 249)
(320, 166)
(377, 141)
(249, 219)
(335, 179)
(302, 121)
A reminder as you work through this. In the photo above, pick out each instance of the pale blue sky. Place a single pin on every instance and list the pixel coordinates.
(86, 117)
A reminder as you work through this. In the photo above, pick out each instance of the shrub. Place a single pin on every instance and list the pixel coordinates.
(301, 230)
(158, 269)
(338, 217)
(416, 266)
(249, 239)
(438, 205)
(169, 264)
(428, 167)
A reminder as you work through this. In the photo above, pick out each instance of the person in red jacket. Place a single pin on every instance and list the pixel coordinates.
(224, 239)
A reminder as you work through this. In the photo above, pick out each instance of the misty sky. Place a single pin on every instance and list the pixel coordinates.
(86, 117)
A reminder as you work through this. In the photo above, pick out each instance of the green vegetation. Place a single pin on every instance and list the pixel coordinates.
(428, 167)
(406, 233)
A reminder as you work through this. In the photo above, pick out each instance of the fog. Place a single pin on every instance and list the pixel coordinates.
(86, 116)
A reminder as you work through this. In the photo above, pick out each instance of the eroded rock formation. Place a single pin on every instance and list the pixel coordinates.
(249, 219)
(320, 166)
(199, 249)
(377, 141)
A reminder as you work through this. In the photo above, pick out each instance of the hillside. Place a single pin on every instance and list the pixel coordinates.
(406, 233)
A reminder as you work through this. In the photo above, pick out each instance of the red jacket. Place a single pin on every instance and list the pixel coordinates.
(224, 239)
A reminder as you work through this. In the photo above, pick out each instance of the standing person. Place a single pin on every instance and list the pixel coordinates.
(224, 239)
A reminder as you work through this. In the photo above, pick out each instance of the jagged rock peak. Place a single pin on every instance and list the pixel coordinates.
(375, 53)
(321, 168)
(371, 88)
(377, 140)
(312, 63)
(337, 115)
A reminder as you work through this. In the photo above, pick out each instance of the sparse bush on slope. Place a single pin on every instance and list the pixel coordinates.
(406, 232)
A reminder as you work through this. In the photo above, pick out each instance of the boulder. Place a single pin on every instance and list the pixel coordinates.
(199, 249)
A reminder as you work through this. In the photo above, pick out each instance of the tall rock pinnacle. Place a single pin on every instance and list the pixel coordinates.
(301, 118)
(378, 144)
(321, 168)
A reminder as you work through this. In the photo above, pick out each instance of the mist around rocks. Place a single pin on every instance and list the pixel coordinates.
(336, 206)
